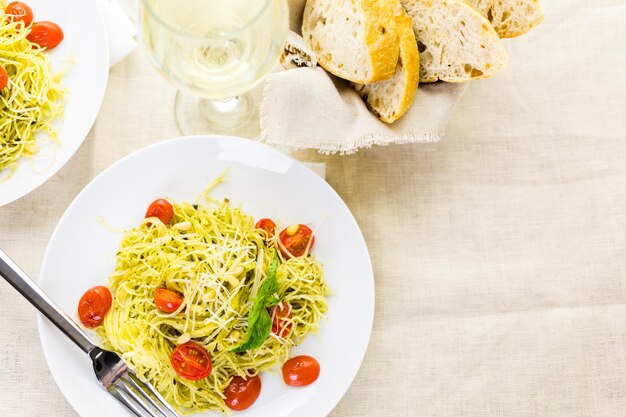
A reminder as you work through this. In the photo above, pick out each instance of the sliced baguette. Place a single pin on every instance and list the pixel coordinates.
(510, 18)
(455, 42)
(354, 39)
(390, 99)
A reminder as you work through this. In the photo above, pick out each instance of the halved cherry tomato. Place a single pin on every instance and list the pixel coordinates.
(45, 34)
(191, 361)
(4, 78)
(301, 371)
(280, 314)
(17, 11)
(268, 226)
(94, 305)
(294, 240)
(166, 300)
(242, 393)
(161, 209)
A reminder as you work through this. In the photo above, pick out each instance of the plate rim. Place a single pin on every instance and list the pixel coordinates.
(46, 176)
(43, 323)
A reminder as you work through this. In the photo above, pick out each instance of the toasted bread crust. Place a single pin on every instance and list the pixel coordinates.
(410, 58)
(382, 36)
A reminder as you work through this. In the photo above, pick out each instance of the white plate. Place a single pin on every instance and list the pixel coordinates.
(267, 183)
(86, 46)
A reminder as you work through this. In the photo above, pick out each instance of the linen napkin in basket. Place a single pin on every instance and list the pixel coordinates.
(309, 108)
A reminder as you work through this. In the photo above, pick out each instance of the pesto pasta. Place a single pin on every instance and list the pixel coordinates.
(221, 263)
(32, 100)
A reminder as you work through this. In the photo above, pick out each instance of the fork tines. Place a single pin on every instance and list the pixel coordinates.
(141, 397)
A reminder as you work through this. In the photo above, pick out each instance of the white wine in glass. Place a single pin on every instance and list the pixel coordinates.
(214, 52)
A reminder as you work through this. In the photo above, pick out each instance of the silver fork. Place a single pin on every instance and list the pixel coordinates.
(139, 397)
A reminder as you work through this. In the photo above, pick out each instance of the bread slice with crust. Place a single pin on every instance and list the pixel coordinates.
(354, 39)
(510, 18)
(390, 99)
(455, 42)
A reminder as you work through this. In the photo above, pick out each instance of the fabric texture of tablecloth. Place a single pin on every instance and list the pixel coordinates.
(499, 252)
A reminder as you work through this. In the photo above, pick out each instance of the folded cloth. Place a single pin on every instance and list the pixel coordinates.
(309, 108)
(120, 28)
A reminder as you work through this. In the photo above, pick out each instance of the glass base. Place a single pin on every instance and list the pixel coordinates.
(236, 116)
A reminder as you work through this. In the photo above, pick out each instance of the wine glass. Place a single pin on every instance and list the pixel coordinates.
(214, 52)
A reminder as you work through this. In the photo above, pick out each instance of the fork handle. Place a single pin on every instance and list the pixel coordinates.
(14, 275)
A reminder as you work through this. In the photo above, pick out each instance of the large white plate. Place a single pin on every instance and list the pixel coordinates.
(85, 48)
(268, 184)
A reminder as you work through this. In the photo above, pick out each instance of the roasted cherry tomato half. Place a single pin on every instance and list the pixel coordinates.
(4, 78)
(242, 393)
(191, 361)
(161, 209)
(94, 305)
(268, 226)
(295, 239)
(45, 34)
(280, 314)
(167, 301)
(17, 10)
(301, 371)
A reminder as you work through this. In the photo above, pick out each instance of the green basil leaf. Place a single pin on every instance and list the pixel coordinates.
(259, 320)
(258, 333)
(253, 318)
(270, 285)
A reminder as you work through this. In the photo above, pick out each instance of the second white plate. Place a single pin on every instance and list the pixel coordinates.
(85, 53)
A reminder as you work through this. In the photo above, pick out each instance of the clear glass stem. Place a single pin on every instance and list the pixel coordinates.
(235, 115)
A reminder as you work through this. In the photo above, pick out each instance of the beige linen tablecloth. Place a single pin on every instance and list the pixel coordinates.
(499, 252)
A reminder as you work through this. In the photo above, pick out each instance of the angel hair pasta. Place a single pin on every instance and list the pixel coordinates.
(221, 264)
(32, 99)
